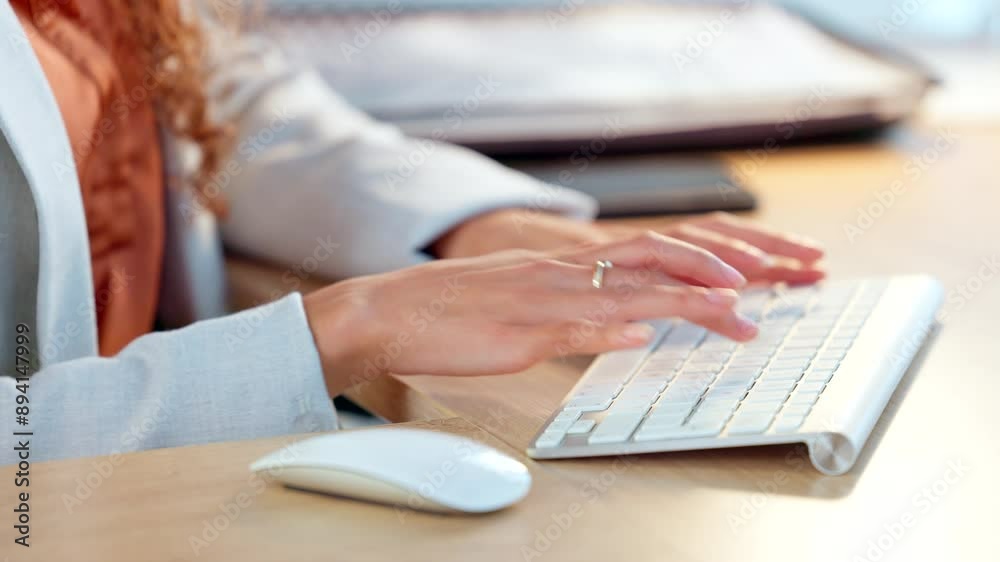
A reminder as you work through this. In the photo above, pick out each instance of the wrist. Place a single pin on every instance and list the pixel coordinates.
(343, 334)
(479, 234)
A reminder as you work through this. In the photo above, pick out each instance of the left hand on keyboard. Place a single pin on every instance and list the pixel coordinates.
(758, 252)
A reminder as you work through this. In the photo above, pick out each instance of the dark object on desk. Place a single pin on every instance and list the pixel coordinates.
(648, 184)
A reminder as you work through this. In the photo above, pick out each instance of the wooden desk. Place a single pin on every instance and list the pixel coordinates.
(769, 504)
(202, 503)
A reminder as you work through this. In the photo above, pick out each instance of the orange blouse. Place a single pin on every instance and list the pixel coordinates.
(113, 134)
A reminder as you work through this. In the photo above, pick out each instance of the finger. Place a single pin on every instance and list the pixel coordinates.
(588, 337)
(792, 271)
(654, 251)
(745, 257)
(711, 308)
(767, 239)
(579, 276)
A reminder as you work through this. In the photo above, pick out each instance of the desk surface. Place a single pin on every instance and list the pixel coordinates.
(930, 464)
(924, 488)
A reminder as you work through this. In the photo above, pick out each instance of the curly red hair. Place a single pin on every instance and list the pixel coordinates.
(174, 48)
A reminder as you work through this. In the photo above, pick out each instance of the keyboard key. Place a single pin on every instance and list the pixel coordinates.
(549, 439)
(702, 368)
(560, 425)
(580, 427)
(657, 433)
(723, 392)
(706, 426)
(826, 365)
(685, 335)
(743, 382)
(810, 387)
(789, 364)
(749, 425)
(571, 415)
(722, 344)
(800, 354)
(588, 404)
(759, 408)
(831, 355)
(615, 428)
(818, 376)
(796, 409)
(742, 371)
(782, 375)
(800, 397)
(749, 363)
(667, 409)
(642, 392)
(607, 389)
(662, 365)
(674, 419)
(630, 408)
(683, 432)
(767, 396)
(686, 396)
(765, 385)
(709, 355)
(786, 424)
(721, 405)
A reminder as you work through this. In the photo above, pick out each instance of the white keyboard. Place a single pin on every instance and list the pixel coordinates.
(825, 363)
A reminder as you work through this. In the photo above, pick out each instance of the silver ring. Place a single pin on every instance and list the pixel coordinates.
(598, 278)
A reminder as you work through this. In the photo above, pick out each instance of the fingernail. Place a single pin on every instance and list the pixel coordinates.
(746, 326)
(726, 297)
(636, 333)
(809, 242)
(734, 277)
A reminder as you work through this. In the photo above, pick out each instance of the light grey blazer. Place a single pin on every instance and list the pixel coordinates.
(312, 184)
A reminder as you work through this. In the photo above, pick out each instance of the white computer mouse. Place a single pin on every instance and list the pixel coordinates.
(416, 468)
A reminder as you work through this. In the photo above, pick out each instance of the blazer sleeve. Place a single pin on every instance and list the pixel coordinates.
(309, 174)
(252, 374)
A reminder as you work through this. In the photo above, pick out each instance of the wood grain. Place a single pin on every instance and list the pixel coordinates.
(925, 488)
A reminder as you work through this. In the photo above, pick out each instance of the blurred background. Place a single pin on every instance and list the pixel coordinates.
(548, 86)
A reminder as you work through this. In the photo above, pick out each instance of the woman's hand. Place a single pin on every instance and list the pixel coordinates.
(759, 253)
(504, 312)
